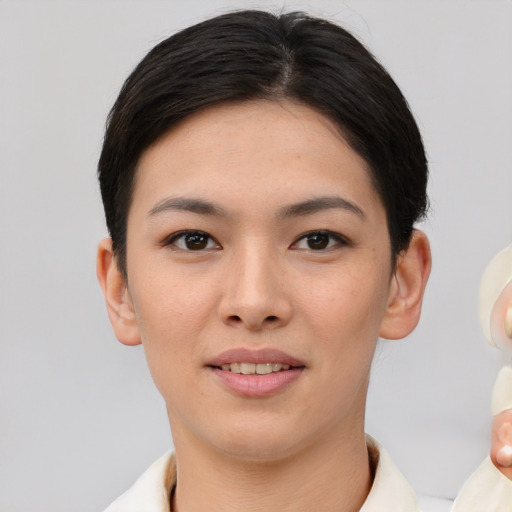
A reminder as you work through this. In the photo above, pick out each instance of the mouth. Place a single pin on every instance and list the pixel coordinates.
(255, 368)
(255, 362)
(256, 373)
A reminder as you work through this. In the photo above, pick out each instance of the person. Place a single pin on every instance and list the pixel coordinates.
(261, 177)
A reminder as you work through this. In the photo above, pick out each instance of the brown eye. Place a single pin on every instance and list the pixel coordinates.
(191, 241)
(318, 241)
(196, 242)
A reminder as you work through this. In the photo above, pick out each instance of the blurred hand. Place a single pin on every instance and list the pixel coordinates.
(501, 442)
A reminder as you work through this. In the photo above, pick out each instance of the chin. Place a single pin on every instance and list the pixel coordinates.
(279, 443)
(257, 442)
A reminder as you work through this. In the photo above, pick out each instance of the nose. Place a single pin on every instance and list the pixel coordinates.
(254, 292)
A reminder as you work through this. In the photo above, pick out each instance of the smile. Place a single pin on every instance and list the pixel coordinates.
(255, 369)
(260, 373)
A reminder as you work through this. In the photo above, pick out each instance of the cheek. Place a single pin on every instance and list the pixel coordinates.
(347, 302)
(168, 302)
(345, 317)
(171, 314)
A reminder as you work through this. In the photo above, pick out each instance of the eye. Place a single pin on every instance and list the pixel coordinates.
(319, 241)
(191, 240)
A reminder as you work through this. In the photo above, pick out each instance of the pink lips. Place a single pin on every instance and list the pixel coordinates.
(256, 385)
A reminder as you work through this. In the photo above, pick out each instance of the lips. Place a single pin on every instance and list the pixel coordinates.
(256, 373)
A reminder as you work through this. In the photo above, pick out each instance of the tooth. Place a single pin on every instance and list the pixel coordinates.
(226, 367)
(286, 366)
(235, 367)
(263, 368)
(276, 367)
(248, 368)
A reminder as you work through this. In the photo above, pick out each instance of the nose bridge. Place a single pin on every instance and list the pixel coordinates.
(253, 293)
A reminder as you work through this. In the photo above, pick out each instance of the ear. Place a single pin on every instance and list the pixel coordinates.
(117, 296)
(407, 288)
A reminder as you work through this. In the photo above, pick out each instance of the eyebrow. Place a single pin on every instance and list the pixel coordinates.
(319, 204)
(303, 208)
(182, 204)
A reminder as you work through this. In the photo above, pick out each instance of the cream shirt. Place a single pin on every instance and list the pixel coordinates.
(151, 492)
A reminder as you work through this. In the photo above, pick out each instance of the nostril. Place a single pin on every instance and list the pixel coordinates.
(253, 322)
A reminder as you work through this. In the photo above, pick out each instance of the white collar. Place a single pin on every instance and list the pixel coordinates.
(390, 491)
(150, 493)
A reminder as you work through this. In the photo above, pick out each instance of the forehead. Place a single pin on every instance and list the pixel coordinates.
(258, 150)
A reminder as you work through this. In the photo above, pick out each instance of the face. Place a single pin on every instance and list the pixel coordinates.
(259, 274)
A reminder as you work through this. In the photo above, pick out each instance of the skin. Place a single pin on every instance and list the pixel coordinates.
(501, 332)
(257, 283)
(501, 436)
(501, 448)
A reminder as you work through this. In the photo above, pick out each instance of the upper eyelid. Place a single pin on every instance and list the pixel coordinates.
(333, 234)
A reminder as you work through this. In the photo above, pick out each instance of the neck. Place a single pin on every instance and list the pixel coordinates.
(334, 474)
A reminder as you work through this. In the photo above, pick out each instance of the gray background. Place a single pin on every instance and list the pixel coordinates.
(80, 418)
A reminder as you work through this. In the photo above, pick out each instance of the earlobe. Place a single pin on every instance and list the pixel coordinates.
(407, 288)
(117, 296)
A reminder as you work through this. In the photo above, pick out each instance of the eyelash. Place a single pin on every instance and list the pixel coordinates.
(339, 241)
(171, 241)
